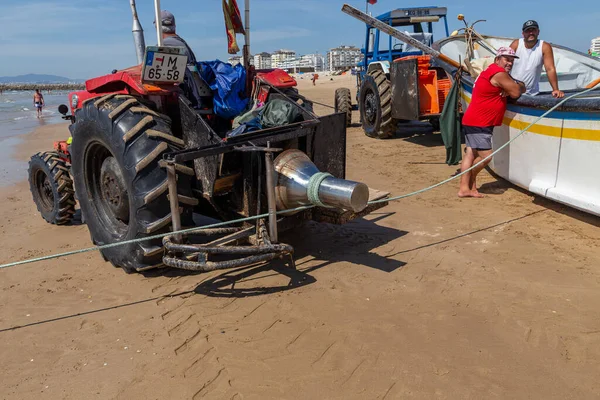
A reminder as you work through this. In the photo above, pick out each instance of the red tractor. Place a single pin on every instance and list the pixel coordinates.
(144, 161)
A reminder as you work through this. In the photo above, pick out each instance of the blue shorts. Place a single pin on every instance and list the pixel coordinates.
(478, 137)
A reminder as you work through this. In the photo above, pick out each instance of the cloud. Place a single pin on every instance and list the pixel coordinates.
(217, 46)
(304, 6)
(80, 61)
(31, 21)
(268, 35)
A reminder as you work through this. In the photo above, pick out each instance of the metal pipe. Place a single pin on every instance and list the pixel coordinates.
(294, 172)
(272, 204)
(341, 193)
(138, 34)
(159, 38)
(246, 50)
(256, 156)
(207, 266)
(174, 200)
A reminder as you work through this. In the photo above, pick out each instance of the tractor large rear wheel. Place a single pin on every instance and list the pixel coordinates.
(375, 104)
(343, 103)
(122, 189)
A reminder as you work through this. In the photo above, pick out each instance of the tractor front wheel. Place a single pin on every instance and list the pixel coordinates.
(375, 104)
(52, 187)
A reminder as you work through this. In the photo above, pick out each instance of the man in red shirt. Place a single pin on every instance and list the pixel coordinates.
(488, 104)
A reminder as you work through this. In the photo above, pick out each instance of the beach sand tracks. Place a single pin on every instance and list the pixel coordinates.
(198, 360)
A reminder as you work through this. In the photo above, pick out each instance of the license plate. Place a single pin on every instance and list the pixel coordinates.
(164, 65)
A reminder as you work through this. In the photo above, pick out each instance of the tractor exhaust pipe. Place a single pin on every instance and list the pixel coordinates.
(138, 34)
(300, 183)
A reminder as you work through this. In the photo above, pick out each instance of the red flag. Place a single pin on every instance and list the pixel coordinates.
(236, 18)
(371, 1)
(233, 25)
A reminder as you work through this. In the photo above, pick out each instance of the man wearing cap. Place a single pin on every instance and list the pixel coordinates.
(486, 110)
(534, 53)
(170, 37)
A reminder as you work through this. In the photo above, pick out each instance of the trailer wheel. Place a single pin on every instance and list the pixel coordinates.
(52, 187)
(122, 190)
(343, 103)
(375, 104)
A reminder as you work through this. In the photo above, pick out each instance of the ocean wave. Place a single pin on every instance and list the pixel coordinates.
(25, 109)
(19, 118)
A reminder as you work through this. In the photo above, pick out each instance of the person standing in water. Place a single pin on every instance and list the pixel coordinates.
(38, 102)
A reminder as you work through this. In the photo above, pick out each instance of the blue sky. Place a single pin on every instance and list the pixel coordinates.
(85, 38)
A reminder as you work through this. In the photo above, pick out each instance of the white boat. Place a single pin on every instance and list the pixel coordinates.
(559, 157)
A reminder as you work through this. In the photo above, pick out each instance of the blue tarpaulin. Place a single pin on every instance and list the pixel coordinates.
(228, 84)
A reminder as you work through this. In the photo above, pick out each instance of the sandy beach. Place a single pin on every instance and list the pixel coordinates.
(430, 297)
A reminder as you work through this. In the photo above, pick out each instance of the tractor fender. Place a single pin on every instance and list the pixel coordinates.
(125, 82)
(383, 66)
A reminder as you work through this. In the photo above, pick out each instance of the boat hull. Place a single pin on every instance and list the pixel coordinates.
(559, 155)
(557, 158)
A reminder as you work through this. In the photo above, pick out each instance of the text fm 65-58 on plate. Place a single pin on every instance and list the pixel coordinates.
(164, 65)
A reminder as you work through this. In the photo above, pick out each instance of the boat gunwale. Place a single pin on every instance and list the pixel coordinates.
(542, 101)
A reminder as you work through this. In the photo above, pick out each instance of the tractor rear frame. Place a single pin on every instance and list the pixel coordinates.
(313, 136)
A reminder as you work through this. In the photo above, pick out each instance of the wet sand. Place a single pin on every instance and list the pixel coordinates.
(430, 297)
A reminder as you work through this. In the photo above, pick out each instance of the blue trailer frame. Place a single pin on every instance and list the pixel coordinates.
(415, 17)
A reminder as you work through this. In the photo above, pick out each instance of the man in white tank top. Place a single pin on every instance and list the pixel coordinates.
(534, 53)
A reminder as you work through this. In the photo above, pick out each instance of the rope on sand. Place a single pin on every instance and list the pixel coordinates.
(189, 230)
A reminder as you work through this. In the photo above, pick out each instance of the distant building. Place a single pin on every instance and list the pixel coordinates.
(284, 59)
(343, 57)
(239, 60)
(312, 62)
(305, 63)
(262, 60)
(281, 57)
(236, 60)
(595, 47)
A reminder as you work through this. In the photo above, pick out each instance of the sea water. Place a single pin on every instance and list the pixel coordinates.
(18, 116)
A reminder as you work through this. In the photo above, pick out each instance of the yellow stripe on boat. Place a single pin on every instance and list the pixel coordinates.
(546, 130)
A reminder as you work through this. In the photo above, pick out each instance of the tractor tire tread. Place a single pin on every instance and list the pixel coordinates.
(343, 103)
(62, 186)
(385, 127)
(137, 137)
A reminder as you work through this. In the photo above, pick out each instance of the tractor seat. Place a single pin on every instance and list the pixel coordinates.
(197, 91)
(425, 38)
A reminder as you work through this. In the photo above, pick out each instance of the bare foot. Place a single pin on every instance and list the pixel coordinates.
(470, 193)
